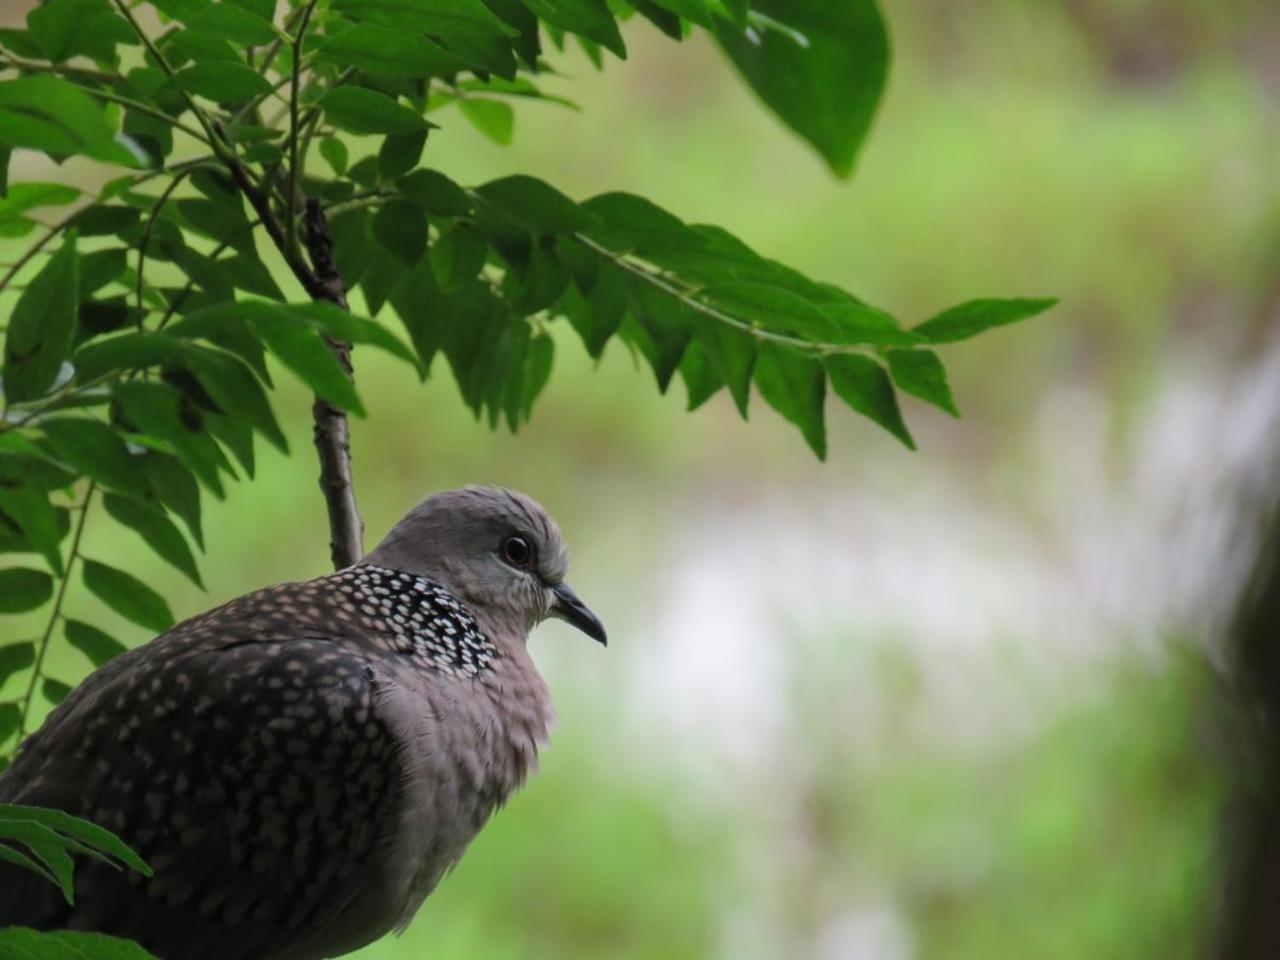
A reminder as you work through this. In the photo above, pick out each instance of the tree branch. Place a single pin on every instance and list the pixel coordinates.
(332, 439)
(322, 283)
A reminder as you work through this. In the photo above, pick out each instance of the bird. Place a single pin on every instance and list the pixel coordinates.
(302, 765)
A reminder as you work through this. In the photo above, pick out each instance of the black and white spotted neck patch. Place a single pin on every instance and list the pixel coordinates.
(418, 617)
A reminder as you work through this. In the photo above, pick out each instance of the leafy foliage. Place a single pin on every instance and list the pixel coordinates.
(135, 358)
(42, 841)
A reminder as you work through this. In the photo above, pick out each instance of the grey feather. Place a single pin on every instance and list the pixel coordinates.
(302, 765)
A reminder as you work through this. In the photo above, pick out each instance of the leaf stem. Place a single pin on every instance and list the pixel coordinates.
(28, 66)
(684, 296)
(146, 236)
(43, 645)
(149, 111)
(214, 141)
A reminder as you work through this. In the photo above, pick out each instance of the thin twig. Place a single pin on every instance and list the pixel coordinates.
(338, 206)
(146, 236)
(331, 434)
(27, 66)
(214, 141)
(268, 58)
(43, 644)
(149, 111)
(330, 423)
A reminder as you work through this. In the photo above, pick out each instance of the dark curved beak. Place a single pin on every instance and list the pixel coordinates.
(570, 609)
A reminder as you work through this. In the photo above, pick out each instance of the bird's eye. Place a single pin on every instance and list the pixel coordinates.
(517, 551)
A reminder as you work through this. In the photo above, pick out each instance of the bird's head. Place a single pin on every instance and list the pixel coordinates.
(495, 549)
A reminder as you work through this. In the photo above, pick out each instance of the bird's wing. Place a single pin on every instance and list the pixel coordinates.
(256, 778)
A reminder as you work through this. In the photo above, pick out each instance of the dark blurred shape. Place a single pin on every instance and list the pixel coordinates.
(1250, 914)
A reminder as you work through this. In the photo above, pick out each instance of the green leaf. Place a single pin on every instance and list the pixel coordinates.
(495, 119)
(538, 359)
(527, 44)
(23, 944)
(860, 323)
(588, 18)
(102, 219)
(358, 110)
(128, 596)
(666, 21)
(55, 691)
(401, 227)
(177, 489)
(700, 377)
(596, 318)
(24, 197)
(49, 114)
(10, 719)
(66, 28)
(81, 833)
(250, 274)
(731, 352)
(458, 256)
(386, 52)
(921, 373)
(793, 384)
(228, 22)
(772, 308)
(98, 646)
(181, 10)
(400, 153)
(92, 448)
(15, 657)
(222, 82)
(703, 256)
(158, 412)
(533, 286)
(825, 87)
(294, 337)
(42, 327)
(100, 268)
(46, 846)
(969, 319)
(229, 383)
(29, 508)
(865, 386)
(263, 8)
(533, 205)
(218, 219)
(435, 193)
(472, 328)
(157, 530)
(667, 320)
(23, 589)
(420, 305)
(701, 12)
(334, 152)
(444, 17)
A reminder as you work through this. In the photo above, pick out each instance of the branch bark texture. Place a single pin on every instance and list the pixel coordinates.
(331, 434)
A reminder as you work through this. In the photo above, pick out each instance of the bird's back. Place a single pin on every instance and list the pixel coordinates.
(298, 767)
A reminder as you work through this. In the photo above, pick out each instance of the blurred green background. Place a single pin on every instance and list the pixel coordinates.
(959, 703)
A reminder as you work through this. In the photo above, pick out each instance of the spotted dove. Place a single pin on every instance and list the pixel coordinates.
(301, 765)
